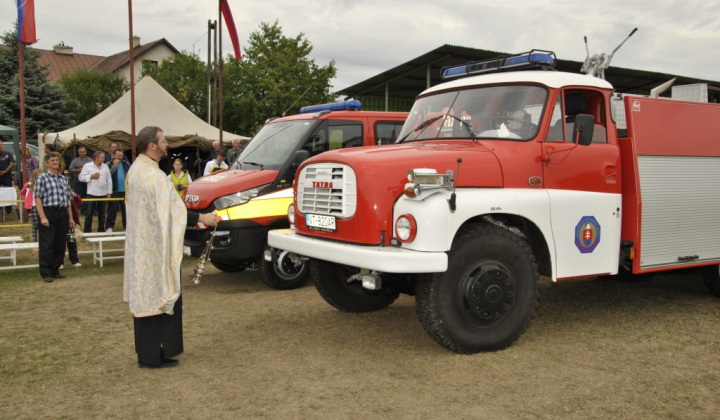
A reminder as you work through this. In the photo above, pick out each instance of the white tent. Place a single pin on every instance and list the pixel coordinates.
(153, 106)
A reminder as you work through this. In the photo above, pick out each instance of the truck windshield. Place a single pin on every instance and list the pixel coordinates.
(273, 145)
(508, 112)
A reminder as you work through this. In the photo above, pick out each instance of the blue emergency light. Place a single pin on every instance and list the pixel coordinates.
(535, 59)
(352, 104)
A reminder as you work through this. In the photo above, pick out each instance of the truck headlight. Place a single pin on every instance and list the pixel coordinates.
(405, 228)
(238, 197)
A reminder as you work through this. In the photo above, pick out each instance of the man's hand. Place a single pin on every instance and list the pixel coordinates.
(96, 175)
(44, 221)
(116, 162)
(72, 224)
(208, 219)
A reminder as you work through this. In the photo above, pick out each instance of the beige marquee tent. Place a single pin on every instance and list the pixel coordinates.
(153, 106)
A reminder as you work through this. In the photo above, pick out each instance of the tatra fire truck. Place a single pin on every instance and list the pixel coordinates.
(252, 196)
(499, 176)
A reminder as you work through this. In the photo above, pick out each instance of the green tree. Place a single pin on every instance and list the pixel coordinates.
(184, 76)
(43, 99)
(274, 73)
(91, 91)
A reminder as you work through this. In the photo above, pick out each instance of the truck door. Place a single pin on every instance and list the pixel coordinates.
(583, 184)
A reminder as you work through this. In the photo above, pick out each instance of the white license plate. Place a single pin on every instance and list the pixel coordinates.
(319, 222)
(186, 251)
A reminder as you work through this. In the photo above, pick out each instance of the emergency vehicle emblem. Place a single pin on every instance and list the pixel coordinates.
(587, 234)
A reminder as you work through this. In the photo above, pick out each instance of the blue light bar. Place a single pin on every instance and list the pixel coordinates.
(535, 59)
(352, 104)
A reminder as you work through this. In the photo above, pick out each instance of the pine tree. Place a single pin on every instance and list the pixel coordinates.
(43, 99)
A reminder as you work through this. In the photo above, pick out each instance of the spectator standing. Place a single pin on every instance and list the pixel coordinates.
(109, 156)
(31, 163)
(79, 187)
(118, 170)
(234, 153)
(52, 201)
(214, 151)
(50, 148)
(157, 220)
(216, 164)
(179, 178)
(99, 185)
(7, 163)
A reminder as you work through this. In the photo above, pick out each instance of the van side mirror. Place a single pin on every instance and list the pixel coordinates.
(583, 129)
(300, 157)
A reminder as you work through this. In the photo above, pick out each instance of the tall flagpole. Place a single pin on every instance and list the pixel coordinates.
(132, 81)
(220, 77)
(22, 160)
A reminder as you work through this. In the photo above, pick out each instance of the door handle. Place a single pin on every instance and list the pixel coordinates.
(610, 174)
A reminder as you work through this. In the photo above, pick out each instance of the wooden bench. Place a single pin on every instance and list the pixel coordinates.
(101, 234)
(98, 252)
(13, 248)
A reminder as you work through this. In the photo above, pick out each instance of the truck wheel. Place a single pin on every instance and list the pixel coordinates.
(336, 285)
(281, 273)
(227, 268)
(488, 295)
(711, 277)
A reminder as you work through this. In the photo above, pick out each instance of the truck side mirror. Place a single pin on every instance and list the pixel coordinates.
(583, 129)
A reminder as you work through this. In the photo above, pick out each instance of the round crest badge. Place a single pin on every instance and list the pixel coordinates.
(587, 234)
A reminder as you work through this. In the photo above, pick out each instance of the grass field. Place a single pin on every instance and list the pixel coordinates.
(596, 349)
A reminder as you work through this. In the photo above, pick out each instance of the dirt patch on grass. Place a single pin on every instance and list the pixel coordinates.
(596, 349)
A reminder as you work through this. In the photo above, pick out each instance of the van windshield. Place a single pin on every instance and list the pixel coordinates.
(274, 144)
(508, 112)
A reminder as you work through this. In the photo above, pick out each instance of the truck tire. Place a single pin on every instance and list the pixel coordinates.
(334, 284)
(711, 277)
(488, 295)
(226, 268)
(281, 273)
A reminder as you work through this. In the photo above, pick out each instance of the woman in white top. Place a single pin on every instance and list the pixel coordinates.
(180, 179)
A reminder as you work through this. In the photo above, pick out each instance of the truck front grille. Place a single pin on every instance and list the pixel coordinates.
(328, 189)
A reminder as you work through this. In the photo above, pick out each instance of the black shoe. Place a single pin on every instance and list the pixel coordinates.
(48, 279)
(58, 276)
(167, 363)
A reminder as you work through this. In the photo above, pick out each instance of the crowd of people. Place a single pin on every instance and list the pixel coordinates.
(95, 190)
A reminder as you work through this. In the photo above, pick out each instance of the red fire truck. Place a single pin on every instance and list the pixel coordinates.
(500, 176)
(253, 195)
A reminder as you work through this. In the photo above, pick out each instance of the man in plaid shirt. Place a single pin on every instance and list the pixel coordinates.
(52, 201)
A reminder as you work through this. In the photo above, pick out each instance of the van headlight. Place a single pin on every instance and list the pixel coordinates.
(291, 214)
(238, 197)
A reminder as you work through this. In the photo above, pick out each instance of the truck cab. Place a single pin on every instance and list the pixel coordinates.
(253, 194)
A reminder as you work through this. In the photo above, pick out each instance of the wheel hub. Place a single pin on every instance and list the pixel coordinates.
(285, 266)
(488, 293)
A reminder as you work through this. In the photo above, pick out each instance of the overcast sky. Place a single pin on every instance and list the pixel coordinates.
(366, 37)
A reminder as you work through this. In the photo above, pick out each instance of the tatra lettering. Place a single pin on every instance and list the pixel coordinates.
(322, 184)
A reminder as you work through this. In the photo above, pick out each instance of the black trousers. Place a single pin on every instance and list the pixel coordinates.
(159, 336)
(113, 209)
(90, 209)
(52, 239)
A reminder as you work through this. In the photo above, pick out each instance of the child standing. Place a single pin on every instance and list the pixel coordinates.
(27, 194)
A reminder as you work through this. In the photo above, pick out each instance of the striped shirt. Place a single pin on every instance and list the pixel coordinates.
(53, 190)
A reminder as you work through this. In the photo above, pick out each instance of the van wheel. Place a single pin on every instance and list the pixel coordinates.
(336, 285)
(227, 268)
(711, 277)
(282, 273)
(488, 295)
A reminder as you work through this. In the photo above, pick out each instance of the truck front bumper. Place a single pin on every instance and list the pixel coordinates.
(383, 259)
